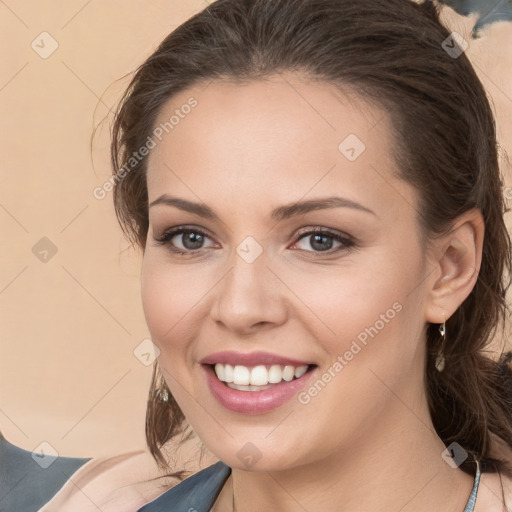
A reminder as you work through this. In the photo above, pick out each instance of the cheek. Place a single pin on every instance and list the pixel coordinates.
(157, 290)
(365, 314)
(346, 300)
(370, 327)
(171, 295)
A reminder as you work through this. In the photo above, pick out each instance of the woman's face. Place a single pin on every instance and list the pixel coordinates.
(302, 251)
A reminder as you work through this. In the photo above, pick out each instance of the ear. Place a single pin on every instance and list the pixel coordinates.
(454, 264)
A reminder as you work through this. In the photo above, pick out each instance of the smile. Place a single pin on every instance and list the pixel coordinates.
(257, 378)
(254, 383)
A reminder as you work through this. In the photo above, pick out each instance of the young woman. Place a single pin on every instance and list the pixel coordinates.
(321, 217)
(315, 188)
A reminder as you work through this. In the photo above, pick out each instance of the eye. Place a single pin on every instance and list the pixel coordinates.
(183, 240)
(189, 240)
(321, 240)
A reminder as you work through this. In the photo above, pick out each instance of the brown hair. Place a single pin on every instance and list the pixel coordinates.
(390, 52)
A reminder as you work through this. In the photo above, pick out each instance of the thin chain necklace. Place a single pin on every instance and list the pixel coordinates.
(233, 489)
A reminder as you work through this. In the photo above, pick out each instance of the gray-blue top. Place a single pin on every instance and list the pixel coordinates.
(25, 485)
(199, 492)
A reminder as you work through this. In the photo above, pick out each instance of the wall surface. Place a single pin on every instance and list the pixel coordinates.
(71, 319)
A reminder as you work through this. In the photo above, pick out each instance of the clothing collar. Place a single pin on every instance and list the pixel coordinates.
(199, 492)
(195, 494)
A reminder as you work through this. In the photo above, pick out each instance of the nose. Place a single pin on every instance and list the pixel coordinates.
(249, 298)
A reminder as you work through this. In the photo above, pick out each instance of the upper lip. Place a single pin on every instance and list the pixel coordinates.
(251, 359)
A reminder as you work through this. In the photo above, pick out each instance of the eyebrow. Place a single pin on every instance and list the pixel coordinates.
(279, 214)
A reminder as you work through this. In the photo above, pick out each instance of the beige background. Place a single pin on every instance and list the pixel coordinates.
(70, 324)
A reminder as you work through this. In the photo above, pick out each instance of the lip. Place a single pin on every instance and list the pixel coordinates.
(254, 402)
(252, 359)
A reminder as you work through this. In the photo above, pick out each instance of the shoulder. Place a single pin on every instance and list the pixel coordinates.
(47, 483)
(495, 490)
(116, 483)
(29, 479)
(494, 494)
(122, 483)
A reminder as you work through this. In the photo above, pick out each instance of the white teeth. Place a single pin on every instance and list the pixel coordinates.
(219, 371)
(228, 373)
(241, 375)
(248, 388)
(288, 373)
(300, 371)
(275, 374)
(258, 377)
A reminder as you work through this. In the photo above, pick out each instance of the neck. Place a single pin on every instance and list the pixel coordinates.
(385, 468)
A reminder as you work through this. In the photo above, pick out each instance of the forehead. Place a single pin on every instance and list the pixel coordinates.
(285, 135)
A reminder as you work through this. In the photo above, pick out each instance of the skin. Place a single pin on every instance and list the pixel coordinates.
(366, 441)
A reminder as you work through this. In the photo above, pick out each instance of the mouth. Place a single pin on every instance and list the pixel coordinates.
(255, 383)
(258, 377)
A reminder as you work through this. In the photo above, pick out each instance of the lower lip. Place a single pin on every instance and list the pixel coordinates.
(254, 402)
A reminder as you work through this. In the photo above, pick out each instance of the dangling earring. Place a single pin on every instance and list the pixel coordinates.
(440, 361)
(162, 392)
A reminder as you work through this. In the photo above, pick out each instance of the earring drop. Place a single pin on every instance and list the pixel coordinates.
(162, 392)
(162, 395)
(440, 361)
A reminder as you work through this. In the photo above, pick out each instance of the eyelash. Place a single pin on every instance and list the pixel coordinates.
(166, 237)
